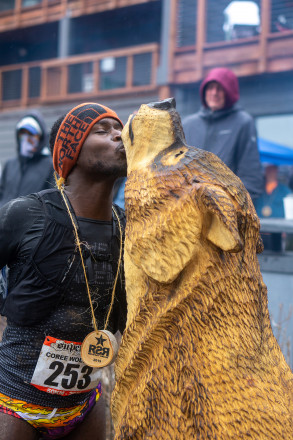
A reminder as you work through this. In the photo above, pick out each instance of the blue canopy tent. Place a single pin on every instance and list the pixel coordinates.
(273, 153)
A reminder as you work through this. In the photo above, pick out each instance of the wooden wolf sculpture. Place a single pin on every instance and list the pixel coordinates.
(198, 359)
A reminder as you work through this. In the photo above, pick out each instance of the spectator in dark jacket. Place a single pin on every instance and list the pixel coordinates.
(32, 170)
(270, 203)
(220, 126)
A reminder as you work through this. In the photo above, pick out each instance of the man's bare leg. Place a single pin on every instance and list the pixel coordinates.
(94, 425)
(12, 428)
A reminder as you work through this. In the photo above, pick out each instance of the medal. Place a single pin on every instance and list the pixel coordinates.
(99, 349)
(266, 211)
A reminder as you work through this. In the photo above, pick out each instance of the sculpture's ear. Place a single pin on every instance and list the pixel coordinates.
(220, 220)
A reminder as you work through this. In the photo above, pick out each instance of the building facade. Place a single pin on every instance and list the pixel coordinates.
(55, 53)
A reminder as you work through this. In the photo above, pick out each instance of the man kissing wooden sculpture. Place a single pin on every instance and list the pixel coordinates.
(198, 358)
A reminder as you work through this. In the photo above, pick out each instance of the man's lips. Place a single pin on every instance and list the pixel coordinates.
(121, 148)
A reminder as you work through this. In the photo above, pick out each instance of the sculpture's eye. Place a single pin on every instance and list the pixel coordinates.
(131, 135)
(174, 156)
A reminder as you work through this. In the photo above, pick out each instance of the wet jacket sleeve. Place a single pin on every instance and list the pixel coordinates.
(2, 182)
(16, 217)
(249, 168)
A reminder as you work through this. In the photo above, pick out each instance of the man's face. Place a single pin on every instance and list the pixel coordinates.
(214, 96)
(28, 142)
(103, 151)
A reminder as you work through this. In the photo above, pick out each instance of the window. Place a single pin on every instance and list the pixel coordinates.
(142, 67)
(7, 5)
(231, 20)
(282, 15)
(81, 78)
(112, 73)
(11, 85)
(27, 3)
(186, 25)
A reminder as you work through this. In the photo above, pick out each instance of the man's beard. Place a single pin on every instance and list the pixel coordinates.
(107, 170)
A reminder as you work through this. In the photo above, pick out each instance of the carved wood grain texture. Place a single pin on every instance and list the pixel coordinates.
(198, 359)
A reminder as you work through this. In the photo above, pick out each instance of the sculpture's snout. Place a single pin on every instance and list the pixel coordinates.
(166, 104)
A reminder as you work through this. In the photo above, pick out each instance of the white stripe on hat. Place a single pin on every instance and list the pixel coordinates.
(28, 120)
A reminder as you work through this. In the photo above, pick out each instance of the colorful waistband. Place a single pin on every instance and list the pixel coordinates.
(51, 423)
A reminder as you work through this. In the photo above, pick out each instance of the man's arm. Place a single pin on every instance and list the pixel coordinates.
(16, 217)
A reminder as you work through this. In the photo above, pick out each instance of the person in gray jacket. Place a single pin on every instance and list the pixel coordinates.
(223, 128)
(32, 169)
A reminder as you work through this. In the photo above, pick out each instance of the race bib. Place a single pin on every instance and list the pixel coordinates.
(60, 369)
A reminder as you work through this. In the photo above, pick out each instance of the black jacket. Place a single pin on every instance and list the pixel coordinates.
(22, 175)
(231, 135)
(37, 244)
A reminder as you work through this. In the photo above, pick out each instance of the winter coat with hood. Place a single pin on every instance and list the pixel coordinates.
(229, 133)
(25, 175)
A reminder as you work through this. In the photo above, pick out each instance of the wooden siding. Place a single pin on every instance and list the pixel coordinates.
(265, 53)
(55, 10)
(244, 57)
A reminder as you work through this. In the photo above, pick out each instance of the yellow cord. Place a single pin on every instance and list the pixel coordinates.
(59, 181)
(60, 185)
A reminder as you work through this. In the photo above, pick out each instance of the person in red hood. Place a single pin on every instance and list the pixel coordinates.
(223, 128)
